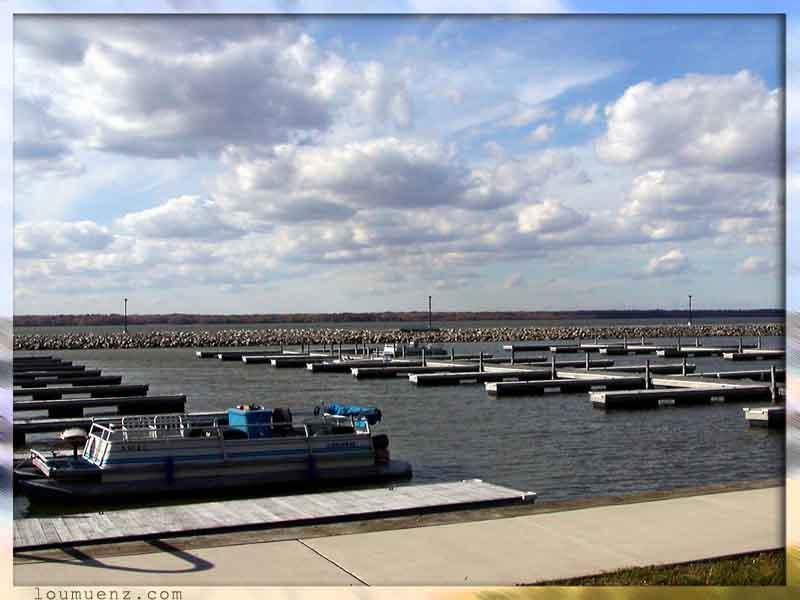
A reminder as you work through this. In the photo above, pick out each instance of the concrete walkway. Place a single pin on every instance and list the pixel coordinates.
(506, 551)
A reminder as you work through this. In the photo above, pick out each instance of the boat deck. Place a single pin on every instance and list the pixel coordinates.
(258, 513)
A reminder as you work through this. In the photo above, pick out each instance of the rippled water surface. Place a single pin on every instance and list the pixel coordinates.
(556, 445)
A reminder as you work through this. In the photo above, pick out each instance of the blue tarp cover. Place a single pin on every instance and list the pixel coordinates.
(370, 413)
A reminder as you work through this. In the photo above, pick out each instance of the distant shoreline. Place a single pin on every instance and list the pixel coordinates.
(387, 316)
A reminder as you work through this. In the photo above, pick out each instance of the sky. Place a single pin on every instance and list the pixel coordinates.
(361, 163)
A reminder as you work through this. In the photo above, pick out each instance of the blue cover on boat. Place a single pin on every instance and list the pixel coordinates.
(370, 413)
(254, 421)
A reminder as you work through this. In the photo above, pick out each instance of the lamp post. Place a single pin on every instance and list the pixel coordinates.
(690, 310)
(430, 325)
(125, 317)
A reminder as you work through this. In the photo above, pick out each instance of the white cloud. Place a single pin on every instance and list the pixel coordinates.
(182, 87)
(673, 262)
(180, 217)
(47, 238)
(551, 216)
(542, 133)
(729, 122)
(583, 113)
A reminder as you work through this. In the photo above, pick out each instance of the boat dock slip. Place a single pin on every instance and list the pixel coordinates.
(388, 372)
(755, 374)
(296, 362)
(685, 351)
(127, 405)
(259, 513)
(42, 370)
(631, 349)
(755, 355)
(561, 386)
(345, 366)
(93, 391)
(635, 399)
(22, 427)
(426, 379)
(542, 347)
(42, 382)
(773, 417)
(66, 375)
(672, 369)
(265, 359)
(237, 356)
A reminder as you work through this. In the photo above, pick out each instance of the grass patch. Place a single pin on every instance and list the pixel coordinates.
(758, 568)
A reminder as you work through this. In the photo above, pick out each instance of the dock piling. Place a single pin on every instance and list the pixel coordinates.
(773, 387)
(678, 346)
(683, 367)
(740, 344)
(512, 354)
(553, 366)
(480, 362)
(424, 362)
(625, 342)
(697, 341)
(587, 361)
(647, 374)
(340, 350)
(642, 340)
(759, 342)
(452, 353)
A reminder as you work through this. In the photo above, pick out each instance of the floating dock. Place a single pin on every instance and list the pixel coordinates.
(296, 362)
(125, 405)
(755, 355)
(636, 399)
(562, 386)
(772, 417)
(64, 376)
(93, 391)
(259, 513)
(44, 370)
(671, 369)
(754, 374)
(389, 372)
(345, 366)
(43, 382)
(428, 379)
(631, 349)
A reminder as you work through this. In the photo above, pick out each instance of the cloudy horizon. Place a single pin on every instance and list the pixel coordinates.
(271, 164)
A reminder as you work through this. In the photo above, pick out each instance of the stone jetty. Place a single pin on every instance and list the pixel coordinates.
(332, 335)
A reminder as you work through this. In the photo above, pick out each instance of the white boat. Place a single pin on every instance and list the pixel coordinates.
(391, 351)
(180, 453)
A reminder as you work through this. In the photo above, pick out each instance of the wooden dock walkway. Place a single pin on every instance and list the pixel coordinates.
(43, 370)
(562, 386)
(259, 513)
(636, 399)
(754, 374)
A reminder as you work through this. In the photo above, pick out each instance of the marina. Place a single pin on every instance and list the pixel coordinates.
(574, 383)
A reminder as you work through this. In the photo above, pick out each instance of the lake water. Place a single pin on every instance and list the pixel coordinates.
(556, 445)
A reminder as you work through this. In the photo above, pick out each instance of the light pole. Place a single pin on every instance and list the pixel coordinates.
(125, 317)
(690, 310)
(430, 326)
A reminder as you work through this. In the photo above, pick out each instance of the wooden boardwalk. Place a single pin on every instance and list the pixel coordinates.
(258, 513)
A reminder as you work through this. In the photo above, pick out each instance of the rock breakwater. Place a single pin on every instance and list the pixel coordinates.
(228, 338)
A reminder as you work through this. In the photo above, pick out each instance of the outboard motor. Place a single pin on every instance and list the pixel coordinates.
(380, 444)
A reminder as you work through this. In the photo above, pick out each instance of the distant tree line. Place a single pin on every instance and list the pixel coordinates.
(195, 319)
